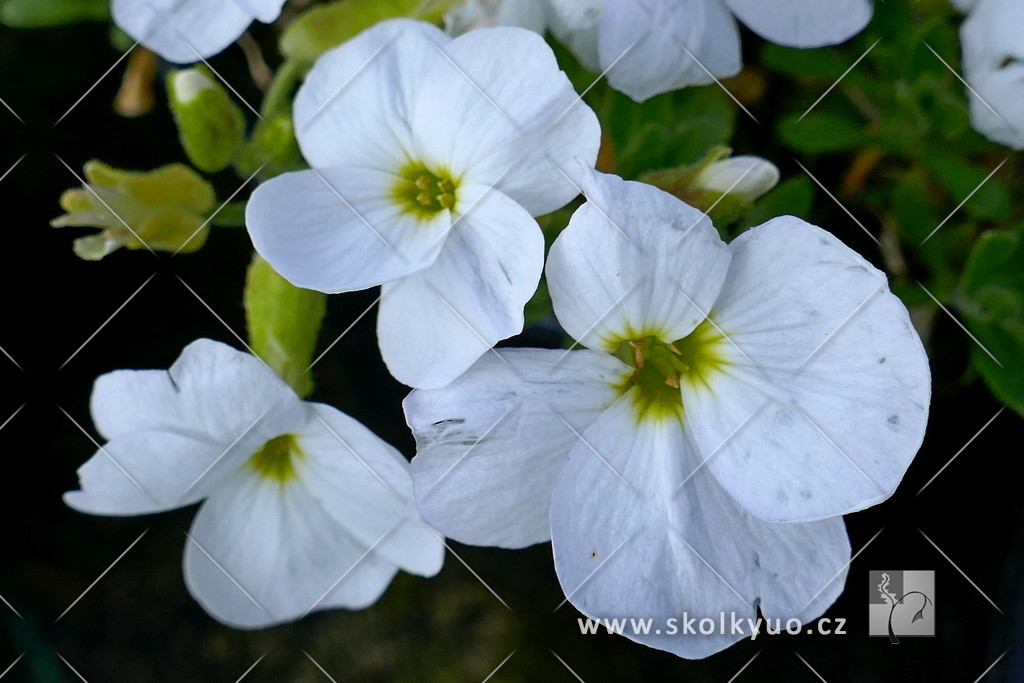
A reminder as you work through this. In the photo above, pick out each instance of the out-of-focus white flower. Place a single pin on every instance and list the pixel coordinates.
(186, 31)
(654, 46)
(748, 177)
(694, 459)
(992, 38)
(303, 507)
(430, 156)
(530, 14)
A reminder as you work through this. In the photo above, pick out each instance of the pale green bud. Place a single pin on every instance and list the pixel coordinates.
(210, 124)
(164, 209)
(284, 322)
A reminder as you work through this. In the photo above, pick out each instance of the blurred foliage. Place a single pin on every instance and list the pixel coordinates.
(50, 13)
(991, 300)
(886, 110)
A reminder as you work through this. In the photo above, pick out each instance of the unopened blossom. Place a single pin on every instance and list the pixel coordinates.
(648, 47)
(747, 177)
(430, 157)
(186, 31)
(992, 38)
(730, 403)
(302, 507)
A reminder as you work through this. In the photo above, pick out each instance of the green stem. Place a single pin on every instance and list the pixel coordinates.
(231, 216)
(278, 99)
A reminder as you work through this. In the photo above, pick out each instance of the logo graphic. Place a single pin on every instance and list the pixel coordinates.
(901, 603)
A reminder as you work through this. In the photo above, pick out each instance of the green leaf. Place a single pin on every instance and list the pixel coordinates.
(50, 13)
(322, 27)
(821, 133)
(961, 178)
(992, 302)
(667, 131)
(792, 197)
(827, 65)
(284, 322)
(913, 208)
(943, 107)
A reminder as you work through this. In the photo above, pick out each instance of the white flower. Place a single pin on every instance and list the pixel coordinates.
(473, 14)
(186, 31)
(643, 44)
(684, 463)
(303, 507)
(748, 177)
(993, 57)
(430, 156)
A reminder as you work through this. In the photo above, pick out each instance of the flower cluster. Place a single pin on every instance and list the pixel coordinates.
(730, 402)
(429, 158)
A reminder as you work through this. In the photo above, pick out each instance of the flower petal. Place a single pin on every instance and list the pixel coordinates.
(183, 31)
(364, 485)
(641, 43)
(490, 444)
(634, 261)
(994, 68)
(498, 111)
(145, 472)
(211, 393)
(434, 324)
(175, 434)
(803, 23)
(341, 229)
(579, 14)
(353, 108)
(630, 542)
(260, 554)
(264, 10)
(823, 396)
(575, 24)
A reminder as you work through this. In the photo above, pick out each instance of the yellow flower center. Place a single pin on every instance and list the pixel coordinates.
(663, 368)
(423, 192)
(275, 460)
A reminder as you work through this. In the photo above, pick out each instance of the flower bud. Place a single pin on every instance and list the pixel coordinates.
(210, 125)
(163, 209)
(747, 177)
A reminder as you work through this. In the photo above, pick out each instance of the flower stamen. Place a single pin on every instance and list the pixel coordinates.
(661, 368)
(425, 192)
(275, 460)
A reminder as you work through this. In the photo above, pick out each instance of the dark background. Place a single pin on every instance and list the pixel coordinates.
(138, 623)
